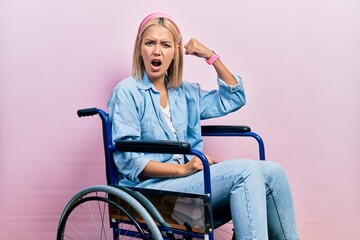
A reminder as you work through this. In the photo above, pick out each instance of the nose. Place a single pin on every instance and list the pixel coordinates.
(157, 49)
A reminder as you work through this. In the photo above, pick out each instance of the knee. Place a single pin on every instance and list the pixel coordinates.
(245, 168)
(276, 167)
(274, 171)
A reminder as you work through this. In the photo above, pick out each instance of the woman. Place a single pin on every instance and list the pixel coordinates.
(154, 103)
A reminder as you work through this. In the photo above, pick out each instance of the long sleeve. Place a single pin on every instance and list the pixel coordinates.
(223, 101)
(134, 110)
(126, 126)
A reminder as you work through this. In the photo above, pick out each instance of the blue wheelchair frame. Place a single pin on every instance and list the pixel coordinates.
(160, 146)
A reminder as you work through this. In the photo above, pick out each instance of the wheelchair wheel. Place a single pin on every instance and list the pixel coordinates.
(105, 212)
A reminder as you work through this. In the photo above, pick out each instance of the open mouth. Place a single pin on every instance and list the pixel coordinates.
(156, 63)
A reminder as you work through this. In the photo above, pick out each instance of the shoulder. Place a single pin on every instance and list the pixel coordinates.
(124, 92)
(126, 84)
(126, 88)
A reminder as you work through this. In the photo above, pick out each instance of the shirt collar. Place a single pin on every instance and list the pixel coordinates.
(146, 83)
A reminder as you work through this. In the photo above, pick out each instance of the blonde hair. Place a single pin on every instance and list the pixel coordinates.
(175, 69)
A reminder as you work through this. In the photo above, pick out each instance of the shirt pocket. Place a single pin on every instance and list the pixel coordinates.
(148, 131)
(193, 132)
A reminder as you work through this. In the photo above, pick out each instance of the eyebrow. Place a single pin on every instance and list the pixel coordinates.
(161, 41)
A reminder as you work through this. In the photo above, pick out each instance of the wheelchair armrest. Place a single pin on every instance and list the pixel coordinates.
(233, 131)
(219, 130)
(156, 146)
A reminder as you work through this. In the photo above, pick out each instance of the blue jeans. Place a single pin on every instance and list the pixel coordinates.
(257, 191)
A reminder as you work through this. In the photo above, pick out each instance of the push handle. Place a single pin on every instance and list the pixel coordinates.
(87, 112)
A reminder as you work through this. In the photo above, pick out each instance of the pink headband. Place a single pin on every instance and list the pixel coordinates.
(158, 15)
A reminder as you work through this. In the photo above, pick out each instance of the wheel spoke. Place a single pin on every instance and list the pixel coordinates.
(89, 215)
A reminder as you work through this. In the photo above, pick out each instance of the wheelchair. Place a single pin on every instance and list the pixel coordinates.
(121, 212)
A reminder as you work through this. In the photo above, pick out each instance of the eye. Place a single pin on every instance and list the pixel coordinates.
(166, 45)
(149, 43)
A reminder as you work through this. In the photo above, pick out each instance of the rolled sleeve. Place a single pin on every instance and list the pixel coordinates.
(225, 100)
(234, 88)
(131, 164)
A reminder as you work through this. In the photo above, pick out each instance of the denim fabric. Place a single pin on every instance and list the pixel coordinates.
(257, 191)
(134, 109)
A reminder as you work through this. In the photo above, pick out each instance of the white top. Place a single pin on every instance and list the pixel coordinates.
(178, 158)
(167, 115)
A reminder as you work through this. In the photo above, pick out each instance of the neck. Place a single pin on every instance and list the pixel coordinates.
(159, 84)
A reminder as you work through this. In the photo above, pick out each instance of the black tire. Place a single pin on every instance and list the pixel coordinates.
(87, 216)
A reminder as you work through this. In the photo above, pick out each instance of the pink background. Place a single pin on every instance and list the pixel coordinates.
(299, 59)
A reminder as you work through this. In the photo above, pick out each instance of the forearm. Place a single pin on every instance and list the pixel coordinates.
(224, 74)
(196, 48)
(164, 170)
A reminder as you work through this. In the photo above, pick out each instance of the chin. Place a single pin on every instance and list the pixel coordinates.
(155, 76)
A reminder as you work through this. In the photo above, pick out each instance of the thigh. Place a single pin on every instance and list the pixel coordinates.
(224, 176)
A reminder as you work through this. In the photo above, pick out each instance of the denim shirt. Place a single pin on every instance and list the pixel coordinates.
(134, 111)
